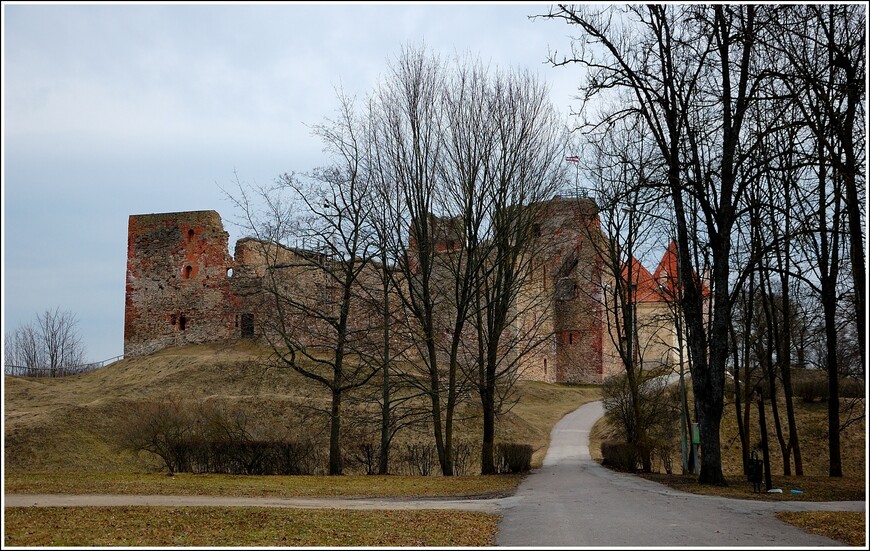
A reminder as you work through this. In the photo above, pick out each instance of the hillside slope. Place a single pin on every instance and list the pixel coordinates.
(74, 423)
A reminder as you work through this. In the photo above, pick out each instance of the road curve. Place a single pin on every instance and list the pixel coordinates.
(573, 501)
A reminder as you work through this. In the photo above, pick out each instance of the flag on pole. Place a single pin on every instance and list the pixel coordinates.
(572, 159)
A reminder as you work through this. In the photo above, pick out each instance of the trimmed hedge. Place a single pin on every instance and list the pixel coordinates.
(511, 458)
(619, 455)
(253, 457)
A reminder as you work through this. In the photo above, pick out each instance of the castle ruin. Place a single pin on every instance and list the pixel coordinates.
(183, 287)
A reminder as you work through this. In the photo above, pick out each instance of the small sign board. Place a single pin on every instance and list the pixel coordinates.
(696, 433)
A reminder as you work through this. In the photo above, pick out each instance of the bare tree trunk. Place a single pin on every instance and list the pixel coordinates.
(335, 462)
(773, 346)
(738, 399)
(765, 451)
(384, 452)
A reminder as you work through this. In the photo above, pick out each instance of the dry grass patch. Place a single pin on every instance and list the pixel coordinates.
(847, 527)
(262, 486)
(74, 424)
(814, 488)
(244, 527)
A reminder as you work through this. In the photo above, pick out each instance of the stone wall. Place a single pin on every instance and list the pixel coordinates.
(183, 287)
(571, 277)
(178, 289)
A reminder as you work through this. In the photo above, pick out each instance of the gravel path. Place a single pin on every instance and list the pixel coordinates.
(59, 500)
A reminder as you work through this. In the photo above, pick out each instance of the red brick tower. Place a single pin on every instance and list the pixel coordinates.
(178, 282)
(573, 278)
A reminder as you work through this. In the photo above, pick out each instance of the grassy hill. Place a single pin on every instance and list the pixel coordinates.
(72, 424)
(811, 420)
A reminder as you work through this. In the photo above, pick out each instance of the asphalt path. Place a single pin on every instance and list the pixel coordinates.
(574, 501)
(570, 501)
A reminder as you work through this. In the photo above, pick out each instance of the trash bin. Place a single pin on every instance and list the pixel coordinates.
(755, 472)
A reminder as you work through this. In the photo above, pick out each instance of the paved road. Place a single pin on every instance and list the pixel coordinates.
(570, 501)
(95, 500)
(573, 501)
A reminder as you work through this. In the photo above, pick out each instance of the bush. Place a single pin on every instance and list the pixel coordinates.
(851, 388)
(461, 458)
(243, 457)
(811, 390)
(202, 438)
(419, 459)
(663, 450)
(651, 426)
(619, 455)
(511, 458)
(366, 455)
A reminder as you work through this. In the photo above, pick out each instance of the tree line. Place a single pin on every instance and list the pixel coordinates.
(424, 221)
(48, 346)
(750, 120)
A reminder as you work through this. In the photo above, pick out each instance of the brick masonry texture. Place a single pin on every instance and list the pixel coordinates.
(183, 287)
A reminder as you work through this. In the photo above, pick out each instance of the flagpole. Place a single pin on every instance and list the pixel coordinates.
(576, 161)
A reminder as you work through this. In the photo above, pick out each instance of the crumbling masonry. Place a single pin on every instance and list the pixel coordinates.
(183, 287)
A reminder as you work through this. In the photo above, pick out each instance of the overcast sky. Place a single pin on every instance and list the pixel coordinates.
(113, 110)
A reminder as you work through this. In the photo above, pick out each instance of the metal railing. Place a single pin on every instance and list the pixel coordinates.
(59, 371)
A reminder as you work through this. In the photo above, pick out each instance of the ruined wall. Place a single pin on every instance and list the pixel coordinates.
(183, 287)
(178, 289)
(570, 274)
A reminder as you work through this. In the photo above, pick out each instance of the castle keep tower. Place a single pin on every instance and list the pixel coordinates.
(178, 281)
(575, 269)
(568, 276)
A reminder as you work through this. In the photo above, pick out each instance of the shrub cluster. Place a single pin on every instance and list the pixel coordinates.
(622, 456)
(365, 455)
(811, 390)
(255, 457)
(462, 452)
(419, 459)
(512, 458)
(202, 437)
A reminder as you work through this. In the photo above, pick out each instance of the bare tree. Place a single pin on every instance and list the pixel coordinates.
(825, 48)
(49, 346)
(313, 320)
(520, 169)
(826, 72)
(410, 124)
(692, 75)
(622, 167)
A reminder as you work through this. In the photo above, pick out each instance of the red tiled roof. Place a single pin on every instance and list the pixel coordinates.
(666, 274)
(647, 289)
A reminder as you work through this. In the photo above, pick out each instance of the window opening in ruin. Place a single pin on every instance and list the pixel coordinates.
(188, 270)
(189, 235)
(536, 230)
(545, 367)
(570, 338)
(247, 326)
(182, 322)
